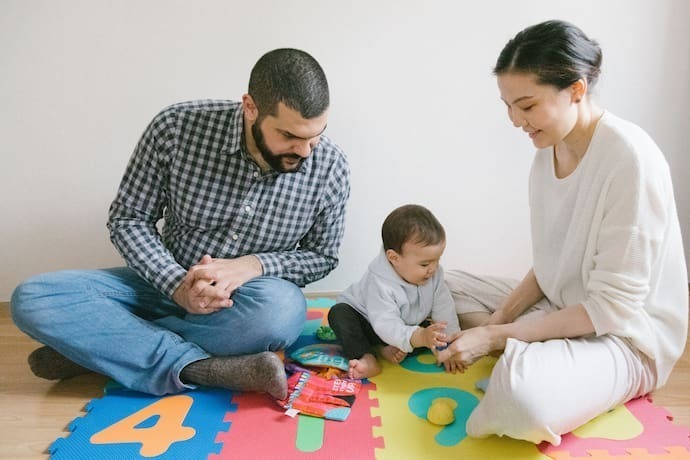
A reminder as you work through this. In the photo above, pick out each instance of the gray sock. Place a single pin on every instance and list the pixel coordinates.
(262, 372)
(51, 365)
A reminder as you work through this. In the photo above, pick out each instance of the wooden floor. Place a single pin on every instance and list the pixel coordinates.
(35, 412)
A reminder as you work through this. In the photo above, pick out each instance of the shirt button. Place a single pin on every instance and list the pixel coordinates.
(247, 208)
(256, 174)
(234, 236)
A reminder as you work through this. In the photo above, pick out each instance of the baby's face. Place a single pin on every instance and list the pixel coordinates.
(417, 262)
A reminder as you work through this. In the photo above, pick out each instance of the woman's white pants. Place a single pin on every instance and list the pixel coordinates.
(541, 390)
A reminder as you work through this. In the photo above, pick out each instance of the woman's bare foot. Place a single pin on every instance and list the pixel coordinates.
(392, 354)
(364, 367)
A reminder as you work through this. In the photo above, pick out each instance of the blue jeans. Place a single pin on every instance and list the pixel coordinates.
(114, 322)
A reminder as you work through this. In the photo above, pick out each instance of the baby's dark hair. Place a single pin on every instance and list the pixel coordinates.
(411, 223)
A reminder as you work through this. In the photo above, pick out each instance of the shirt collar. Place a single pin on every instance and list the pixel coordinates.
(234, 142)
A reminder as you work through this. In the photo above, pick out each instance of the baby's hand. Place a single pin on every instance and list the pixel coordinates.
(432, 336)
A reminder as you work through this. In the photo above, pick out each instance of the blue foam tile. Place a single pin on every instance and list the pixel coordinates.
(204, 418)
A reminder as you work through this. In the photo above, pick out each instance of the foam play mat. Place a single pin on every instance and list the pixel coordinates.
(386, 421)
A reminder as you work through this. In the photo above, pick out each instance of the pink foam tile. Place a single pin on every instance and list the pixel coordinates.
(660, 439)
(259, 429)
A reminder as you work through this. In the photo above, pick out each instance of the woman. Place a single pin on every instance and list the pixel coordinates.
(601, 317)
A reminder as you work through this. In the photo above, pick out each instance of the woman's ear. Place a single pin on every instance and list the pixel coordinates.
(578, 90)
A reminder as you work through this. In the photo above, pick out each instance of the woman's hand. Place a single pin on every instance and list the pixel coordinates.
(449, 365)
(470, 345)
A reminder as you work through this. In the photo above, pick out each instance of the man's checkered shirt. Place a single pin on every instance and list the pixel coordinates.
(190, 169)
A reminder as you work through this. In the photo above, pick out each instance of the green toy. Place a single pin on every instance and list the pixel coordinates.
(325, 333)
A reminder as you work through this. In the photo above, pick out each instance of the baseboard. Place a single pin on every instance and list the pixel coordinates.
(317, 294)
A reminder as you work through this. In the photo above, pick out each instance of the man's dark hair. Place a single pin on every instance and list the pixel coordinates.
(292, 77)
(557, 52)
(411, 223)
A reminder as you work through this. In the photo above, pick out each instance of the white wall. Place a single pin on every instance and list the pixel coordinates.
(413, 103)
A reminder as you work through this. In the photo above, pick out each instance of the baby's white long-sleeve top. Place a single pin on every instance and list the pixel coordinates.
(394, 307)
(607, 237)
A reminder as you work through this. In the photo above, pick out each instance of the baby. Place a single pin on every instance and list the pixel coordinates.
(386, 310)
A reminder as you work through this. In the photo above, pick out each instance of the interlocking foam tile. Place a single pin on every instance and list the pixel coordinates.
(321, 302)
(126, 425)
(261, 430)
(404, 395)
(638, 428)
(316, 317)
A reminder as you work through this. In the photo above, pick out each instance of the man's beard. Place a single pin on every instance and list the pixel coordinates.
(274, 160)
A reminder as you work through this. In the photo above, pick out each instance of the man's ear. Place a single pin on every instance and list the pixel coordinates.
(578, 90)
(249, 107)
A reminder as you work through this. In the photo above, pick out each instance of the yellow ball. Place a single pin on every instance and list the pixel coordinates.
(442, 411)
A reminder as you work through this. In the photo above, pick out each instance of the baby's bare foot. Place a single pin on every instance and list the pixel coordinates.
(392, 354)
(365, 367)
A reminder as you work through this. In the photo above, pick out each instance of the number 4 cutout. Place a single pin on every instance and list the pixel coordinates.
(155, 440)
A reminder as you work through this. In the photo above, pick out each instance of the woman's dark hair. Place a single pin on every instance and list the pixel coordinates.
(411, 223)
(292, 77)
(557, 52)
